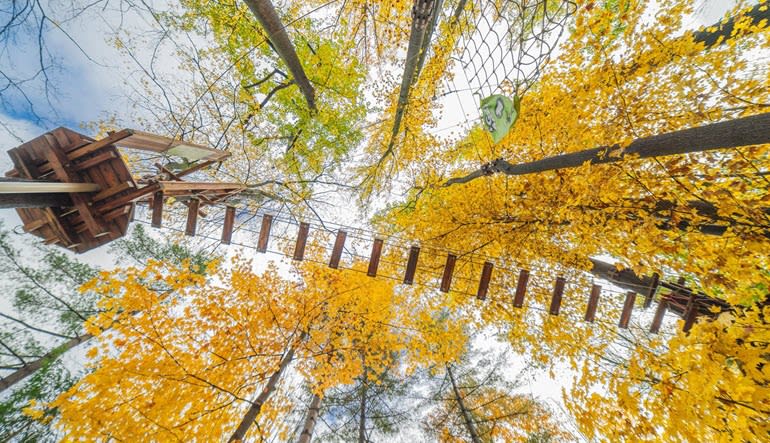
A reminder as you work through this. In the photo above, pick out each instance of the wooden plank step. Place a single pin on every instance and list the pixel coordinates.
(299, 247)
(628, 306)
(660, 312)
(227, 227)
(339, 243)
(192, 217)
(558, 292)
(449, 268)
(411, 265)
(157, 209)
(593, 303)
(521, 289)
(486, 276)
(264, 233)
(374, 259)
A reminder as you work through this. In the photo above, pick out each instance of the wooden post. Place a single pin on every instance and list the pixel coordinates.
(659, 313)
(157, 209)
(299, 247)
(628, 306)
(411, 265)
(690, 314)
(558, 291)
(374, 259)
(521, 289)
(339, 243)
(593, 302)
(227, 227)
(264, 233)
(486, 276)
(653, 289)
(192, 217)
(449, 268)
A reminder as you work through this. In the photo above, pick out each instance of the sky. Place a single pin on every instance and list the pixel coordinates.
(91, 80)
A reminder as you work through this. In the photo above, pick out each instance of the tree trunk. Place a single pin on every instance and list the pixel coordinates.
(30, 368)
(422, 13)
(53, 200)
(744, 131)
(310, 420)
(723, 31)
(466, 415)
(362, 412)
(256, 405)
(267, 16)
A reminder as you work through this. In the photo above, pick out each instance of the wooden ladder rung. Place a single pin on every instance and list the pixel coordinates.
(593, 302)
(339, 243)
(486, 276)
(227, 227)
(192, 217)
(157, 209)
(628, 306)
(299, 248)
(264, 233)
(449, 268)
(411, 265)
(521, 288)
(374, 259)
(558, 292)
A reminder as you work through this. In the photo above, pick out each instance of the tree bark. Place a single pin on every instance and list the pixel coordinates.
(724, 31)
(256, 405)
(310, 420)
(744, 131)
(465, 413)
(52, 200)
(30, 368)
(267, 16)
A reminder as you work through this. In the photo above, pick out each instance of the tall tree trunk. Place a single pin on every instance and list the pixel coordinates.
(744, 131)
(267, 16)
(256, 405)
(463, 410)
(362, 412)
(310, 420)
(28, 369)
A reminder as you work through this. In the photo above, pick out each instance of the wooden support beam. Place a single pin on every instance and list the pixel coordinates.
(95, 160)
(411, 265)
(117, 212)
(109, 192)
(486, 276)
(558, 292)
(198, 167)
(35, 225)
(339, 243)
(227, 227)
(521, 288)
(192, 217)
(128, 198)
(299, 247)
(653, 289)
(181, 188)
(374, 259)
(593, 303)
(449, 268)
(58, 162)
(157, 209)
(628, 306)
(264, 233)
(660, 312)
(99, 144)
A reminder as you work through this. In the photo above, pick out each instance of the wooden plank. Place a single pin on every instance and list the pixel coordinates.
(339, 243)
(99, 144)
(690, 313)
(521, 289)
(117, 212)
(23, 163)
(35, 225)
(171, 187)
(95, 160)
(558, 292)
(486, 276)
(192, 217)
(628, 306)
(374, 258)
(128, 198)
(299, 247)
(109, 192)
(157, 209)
(227, 227)
(264, 233)
(449, 268)
(653, 289)
(411, 265)
(593, 303)
(660, 312)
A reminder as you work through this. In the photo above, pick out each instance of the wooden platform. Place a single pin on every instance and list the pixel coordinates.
(64, 155)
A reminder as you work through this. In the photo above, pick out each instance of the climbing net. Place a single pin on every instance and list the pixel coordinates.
(506, 43)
